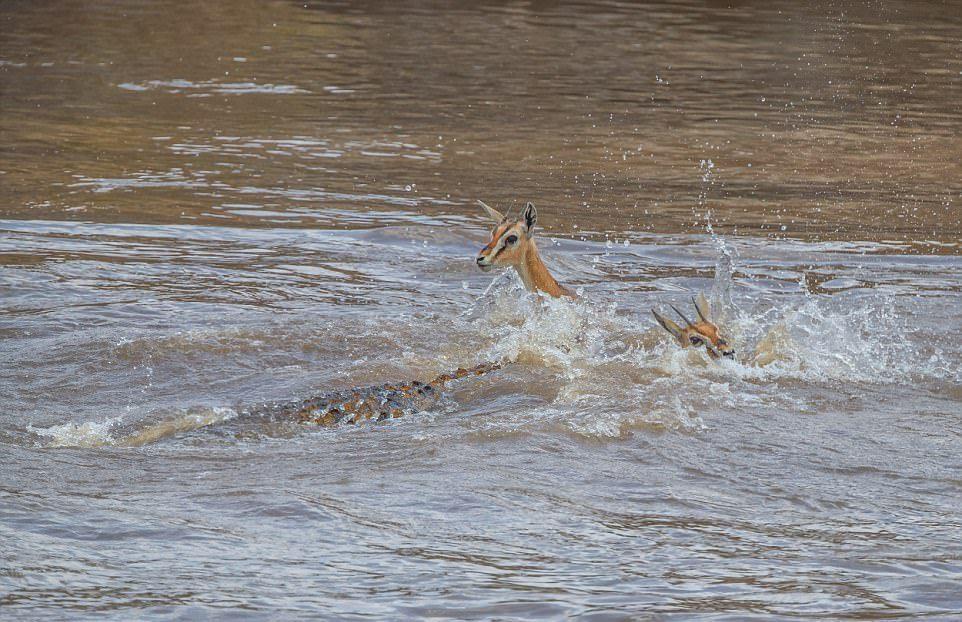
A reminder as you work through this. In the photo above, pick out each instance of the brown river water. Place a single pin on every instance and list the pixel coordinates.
(206, 207)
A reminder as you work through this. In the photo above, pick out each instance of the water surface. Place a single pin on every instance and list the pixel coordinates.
(208, 208)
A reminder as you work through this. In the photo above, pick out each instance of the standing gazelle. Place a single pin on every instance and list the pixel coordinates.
(704, 332)
(512, 244)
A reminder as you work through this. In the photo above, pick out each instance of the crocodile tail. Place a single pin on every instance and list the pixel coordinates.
(478, 370)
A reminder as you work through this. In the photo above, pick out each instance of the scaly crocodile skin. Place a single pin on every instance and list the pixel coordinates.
(376, 403)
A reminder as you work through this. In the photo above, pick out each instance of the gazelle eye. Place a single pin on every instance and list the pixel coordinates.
(695, 341)
(511, 239)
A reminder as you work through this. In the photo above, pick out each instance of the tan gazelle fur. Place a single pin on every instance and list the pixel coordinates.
(704, 332)
(512, 244)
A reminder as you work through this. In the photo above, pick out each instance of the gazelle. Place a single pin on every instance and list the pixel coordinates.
(701, 333)
(512, 244)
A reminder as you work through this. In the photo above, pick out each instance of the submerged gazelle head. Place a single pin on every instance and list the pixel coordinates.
(510, 238)
(704, 332)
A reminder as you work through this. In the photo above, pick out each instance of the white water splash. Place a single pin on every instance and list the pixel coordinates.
(85, 434)
(112, 432)
(617, 371)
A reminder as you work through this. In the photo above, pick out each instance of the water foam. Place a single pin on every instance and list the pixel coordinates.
(86, 434)
(617, 371)
(861, 339)
(605, 364)
(113, 432)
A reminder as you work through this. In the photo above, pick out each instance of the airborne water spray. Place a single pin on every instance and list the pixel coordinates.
(721, 291)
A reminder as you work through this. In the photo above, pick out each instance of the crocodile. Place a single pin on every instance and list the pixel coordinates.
(374, 403)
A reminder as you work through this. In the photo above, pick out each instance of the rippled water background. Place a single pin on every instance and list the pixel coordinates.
(207, 206)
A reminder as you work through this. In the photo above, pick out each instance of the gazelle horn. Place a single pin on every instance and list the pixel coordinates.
(698, 310)
(490, 211)
(681, 315)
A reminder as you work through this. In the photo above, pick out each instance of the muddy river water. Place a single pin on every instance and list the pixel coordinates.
(206, 207)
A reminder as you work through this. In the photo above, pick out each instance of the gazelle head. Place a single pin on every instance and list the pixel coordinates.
(512, 244)
(704, 332)
(510, 238)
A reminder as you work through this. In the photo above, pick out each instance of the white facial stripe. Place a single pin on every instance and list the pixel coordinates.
(501, 242)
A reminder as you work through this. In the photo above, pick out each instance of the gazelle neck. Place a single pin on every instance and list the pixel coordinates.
(535, 276)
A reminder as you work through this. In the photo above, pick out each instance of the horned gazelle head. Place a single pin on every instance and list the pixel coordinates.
(509, 238)
(512, 244)
(704, 332)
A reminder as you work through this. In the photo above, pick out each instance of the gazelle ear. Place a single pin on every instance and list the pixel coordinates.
(703, 307)
(491, 212)
(530, 216)
(668, 325)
